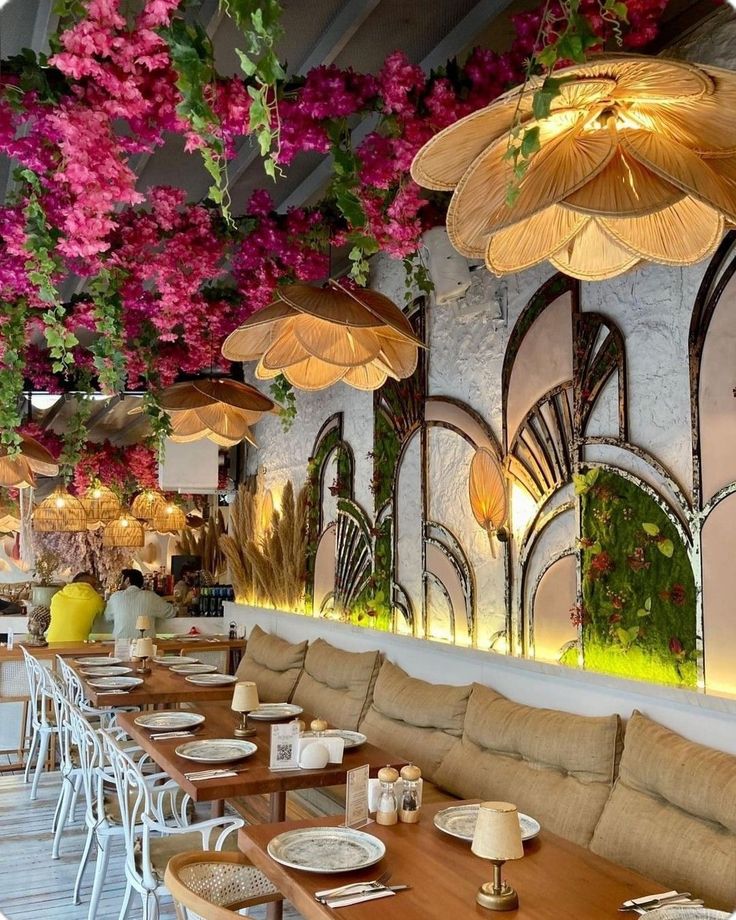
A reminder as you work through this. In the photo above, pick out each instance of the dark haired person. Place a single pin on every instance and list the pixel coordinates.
(131, 601)
(74, 609)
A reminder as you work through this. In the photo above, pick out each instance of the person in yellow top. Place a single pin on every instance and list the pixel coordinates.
(74, 610)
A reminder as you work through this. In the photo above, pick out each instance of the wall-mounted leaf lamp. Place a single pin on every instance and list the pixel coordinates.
(487, 490)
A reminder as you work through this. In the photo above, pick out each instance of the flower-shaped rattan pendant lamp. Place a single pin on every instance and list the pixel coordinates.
(19, 470)
(637, 163)
(487, 492)
(146, 504)
(169, 518)
(61, 512)
(318, 336)
(125, 531)
(101, 504)
(214, 407)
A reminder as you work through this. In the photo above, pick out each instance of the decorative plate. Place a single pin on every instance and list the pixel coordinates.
(351, 739)
(170, 660)
(99, 661)
(112, 671)
(164, 721)
(216, 750)
(459, 821)
(271, 712)
(211, 680)
(115, 683)
(194, 668)
(326, 849)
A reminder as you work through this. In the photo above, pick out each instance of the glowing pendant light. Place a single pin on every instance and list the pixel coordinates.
(60, 513)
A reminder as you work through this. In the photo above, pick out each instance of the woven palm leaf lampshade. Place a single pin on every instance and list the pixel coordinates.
(19, 470)
(101, 504)
(637, 163)
(169, 518)
(318, 336)
(487, 491)
(125, 531)
(60, 513)
(216, 408)
(146, 504)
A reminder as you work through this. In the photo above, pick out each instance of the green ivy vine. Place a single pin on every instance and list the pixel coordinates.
(283, 393)
(11, 378)
(107, 349)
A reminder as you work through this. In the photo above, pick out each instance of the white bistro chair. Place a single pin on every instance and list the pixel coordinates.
(43, 726)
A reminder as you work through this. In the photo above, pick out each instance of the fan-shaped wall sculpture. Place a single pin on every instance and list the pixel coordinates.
(19, 470)
(637, 164)
(169, 518)
(146, 504)
(101, 505)
(216, 408)
(60, 513)
(125, 531)
(318, 336)
(487, 490)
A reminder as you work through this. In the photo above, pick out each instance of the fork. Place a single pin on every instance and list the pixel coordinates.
(329, 893)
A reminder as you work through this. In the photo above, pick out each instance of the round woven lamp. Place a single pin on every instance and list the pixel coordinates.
(318, 336)
(125, 531)
(146, 503)
(60, 513)
(101, 504)
(169, 518)
(635, 164)
(216, 408)
(19, 470)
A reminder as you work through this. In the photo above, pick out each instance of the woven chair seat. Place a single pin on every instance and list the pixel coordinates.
(212, 886)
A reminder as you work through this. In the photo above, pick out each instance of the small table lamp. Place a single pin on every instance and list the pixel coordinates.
(144, 651)
(142, 624)
(498, 838)
(245, 700)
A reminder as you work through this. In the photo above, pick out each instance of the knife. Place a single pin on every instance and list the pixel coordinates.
(363, 895)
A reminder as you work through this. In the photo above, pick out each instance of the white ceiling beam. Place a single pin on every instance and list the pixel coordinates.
(456, 41)
(332, 41)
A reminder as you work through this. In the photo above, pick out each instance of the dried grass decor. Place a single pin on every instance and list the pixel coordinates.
(125, 531)
(318, 336)
(487, 491)
(19, 470)
(60, 513)
(204, 542)
(268, 568)
(636, 163)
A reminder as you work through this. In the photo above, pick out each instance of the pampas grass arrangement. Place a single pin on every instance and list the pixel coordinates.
(204, 542)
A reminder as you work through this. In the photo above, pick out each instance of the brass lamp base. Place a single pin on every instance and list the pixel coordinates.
(143, 669)
(242, 730)
(497, 895)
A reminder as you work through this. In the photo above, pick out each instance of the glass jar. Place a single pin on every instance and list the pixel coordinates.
(387, 811)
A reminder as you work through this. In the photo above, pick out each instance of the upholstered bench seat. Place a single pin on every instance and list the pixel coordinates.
(273, 664)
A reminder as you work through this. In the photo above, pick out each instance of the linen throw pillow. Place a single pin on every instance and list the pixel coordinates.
(273, 663)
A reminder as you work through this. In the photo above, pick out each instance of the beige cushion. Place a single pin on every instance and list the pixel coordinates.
(164, 848)
(273, 663)
(337, 685)
(672, 813)
(555, 766)
(415, 720)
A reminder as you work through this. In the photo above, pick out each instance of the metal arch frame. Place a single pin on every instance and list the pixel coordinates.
(428, 577)
(562, 554)
(584, 404)
(459, 560)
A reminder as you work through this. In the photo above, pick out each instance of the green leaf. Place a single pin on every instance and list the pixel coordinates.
(623, 635)
(591, 476)
(246, 64)
(596, 548)
(542, 104)
(651, 529)
(643, 613)
(648, 605)
(666, 547)
(581, 483)
(530, 142)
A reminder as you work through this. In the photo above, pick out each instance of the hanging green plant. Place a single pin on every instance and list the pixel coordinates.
(283, 393)
(75, 436)
(11, 373)
(108, 348)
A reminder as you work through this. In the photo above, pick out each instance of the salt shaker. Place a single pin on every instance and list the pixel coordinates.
(409, 805)
(387, 808)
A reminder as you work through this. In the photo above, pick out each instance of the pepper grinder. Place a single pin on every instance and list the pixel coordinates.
(409, 806)
(387, 809)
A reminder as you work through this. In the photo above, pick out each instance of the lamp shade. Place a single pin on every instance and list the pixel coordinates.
(216, 408)
(635, 164)
(101, 504)
(487, 492)
(245, 697)
(60, 513)
(169, 518)
(318, 336)
(124, 531)
(498, 832)
(143, 622)
(146, 503)
(19, 470)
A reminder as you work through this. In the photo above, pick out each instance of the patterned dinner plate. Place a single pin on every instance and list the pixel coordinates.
(194, 668)
(351, 739)
(459, 821)
(211, 680)
(164, 721)
(112, 671)
(99, 661)
(216, 750)
(115, 683)
(271, 712)
(170, 660)
(326, 849)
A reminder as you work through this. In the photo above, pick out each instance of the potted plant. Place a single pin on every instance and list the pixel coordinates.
(43, 588)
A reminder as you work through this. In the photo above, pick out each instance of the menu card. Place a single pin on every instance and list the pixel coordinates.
(123, 649)
(284, 746)
(356, 798)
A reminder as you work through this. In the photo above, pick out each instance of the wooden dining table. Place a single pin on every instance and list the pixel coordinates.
(556, 879)
(160, 685)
